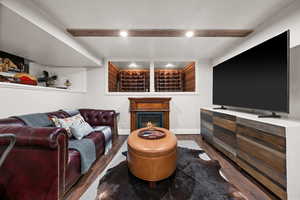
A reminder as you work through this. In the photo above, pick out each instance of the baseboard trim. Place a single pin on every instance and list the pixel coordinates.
(124, 131)
(176, 131)
(185, 131)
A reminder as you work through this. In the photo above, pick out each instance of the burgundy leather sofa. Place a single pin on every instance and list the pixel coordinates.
(41, 166)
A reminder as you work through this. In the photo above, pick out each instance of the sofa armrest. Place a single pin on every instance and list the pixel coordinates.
(36, 165)
(5, 153)
(101, 118)
(38, 137)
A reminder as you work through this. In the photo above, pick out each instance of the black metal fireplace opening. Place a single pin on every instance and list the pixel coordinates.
(156, 118)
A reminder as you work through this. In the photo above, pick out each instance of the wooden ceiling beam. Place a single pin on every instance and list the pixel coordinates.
(160, 32)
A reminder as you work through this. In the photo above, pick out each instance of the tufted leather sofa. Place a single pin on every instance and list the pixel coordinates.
(41, 166)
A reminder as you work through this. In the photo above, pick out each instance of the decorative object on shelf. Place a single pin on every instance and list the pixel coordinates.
(63, 83)
(7, 77)
(48, 80)
(3, 79)
(21, 78)
(7, 64)
(15, 69)
(68, 83)
(24, 78)
(13, 64)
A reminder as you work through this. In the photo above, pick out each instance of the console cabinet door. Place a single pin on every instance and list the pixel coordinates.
(262, 153)
(224, 133)
(207, 125)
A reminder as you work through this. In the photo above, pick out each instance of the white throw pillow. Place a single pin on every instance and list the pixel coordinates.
(76, 126)
(79, 129)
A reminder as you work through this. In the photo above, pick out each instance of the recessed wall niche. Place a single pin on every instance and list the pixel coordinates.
(128, 76)
(175, 76)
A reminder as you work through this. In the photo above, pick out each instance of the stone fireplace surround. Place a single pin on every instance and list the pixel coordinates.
(150, 105)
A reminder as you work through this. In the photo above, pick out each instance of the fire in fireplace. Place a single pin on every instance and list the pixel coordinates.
(156, 118)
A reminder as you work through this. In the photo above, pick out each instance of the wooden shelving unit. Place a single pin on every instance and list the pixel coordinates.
(128, 80)
(189, 78)
(134, 80)
(168, 80)
(113, 77)
(138, 79)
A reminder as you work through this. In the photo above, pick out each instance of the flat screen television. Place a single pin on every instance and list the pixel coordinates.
(257, 78)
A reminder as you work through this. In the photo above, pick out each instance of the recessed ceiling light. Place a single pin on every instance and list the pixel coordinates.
(169, 65)
(132, 65)
(189, 34)
(123, 33)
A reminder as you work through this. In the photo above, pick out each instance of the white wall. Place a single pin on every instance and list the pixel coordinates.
(17, 101)
(288, 18)
(184, 111)
(295, 83)
(20, 99)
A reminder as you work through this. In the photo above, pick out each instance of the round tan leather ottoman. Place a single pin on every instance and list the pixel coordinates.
(152, 160)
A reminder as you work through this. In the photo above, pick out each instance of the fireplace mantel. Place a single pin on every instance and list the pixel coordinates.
(149, 105)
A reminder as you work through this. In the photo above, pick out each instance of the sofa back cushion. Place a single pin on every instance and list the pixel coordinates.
(59, 114)
(11, 121)
(98, 117)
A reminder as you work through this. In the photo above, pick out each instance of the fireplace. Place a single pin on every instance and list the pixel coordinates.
(143, 110)
(156, 118)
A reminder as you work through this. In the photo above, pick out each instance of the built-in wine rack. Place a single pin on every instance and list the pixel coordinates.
(168, 80)
(134, 81)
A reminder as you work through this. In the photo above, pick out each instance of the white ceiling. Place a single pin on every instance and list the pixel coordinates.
(126, 64)
(20, 37)
(179, 14)
(188, 14)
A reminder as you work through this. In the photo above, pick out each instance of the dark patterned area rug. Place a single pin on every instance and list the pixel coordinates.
(194, 179)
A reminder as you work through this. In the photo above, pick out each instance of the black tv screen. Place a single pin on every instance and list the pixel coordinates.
(257, 78)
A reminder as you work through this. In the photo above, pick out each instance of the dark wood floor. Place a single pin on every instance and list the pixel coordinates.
(85, 182)
(250, 189)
